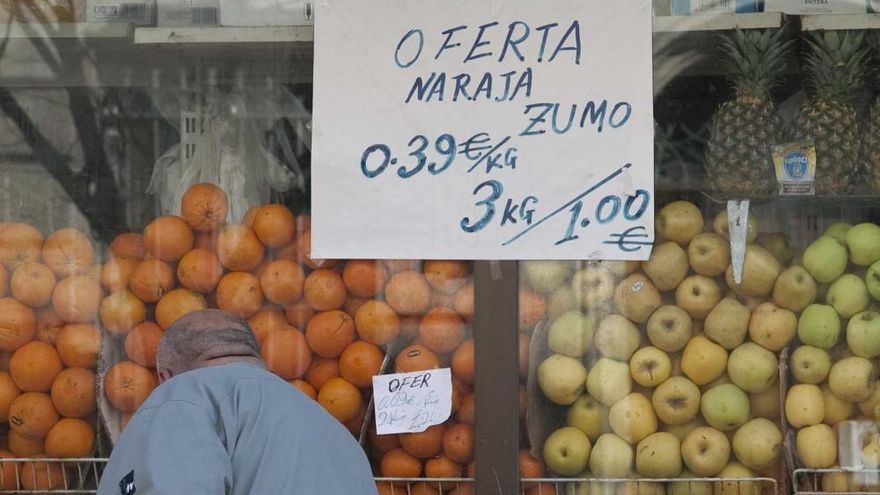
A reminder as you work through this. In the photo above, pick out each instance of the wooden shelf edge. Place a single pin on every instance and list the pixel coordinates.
(721, 22)
(223, 35)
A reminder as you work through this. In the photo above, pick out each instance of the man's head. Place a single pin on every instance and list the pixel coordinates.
(202, 338)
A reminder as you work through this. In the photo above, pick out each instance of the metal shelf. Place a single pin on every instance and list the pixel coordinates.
(223, 35)
(831, 22)
(720, 22)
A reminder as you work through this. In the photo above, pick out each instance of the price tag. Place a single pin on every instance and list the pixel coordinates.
(508, 129)
(412, 402)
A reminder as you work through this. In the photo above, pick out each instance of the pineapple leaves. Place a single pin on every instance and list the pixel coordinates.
(755, 60)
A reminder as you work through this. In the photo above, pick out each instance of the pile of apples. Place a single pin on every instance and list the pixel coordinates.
(834, 362)
(668, 368)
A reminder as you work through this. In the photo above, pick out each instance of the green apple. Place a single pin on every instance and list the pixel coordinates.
(667, 266)
(561, 378)
(669, 328)
(758, 443)
(804, 405)
(863, 334)
(772, 327)
(836, 409)
(567, 451)
(609, 381)
(706, 451)
(689, 486)
(635, 297)
(760, 270)
(848, 295)
(736, 484)
(819, 325)
(725, 407)
(728, 323)
(679, 221)
(650, 366)
(795, 289)
(825, 259)
(703, 361)
(676, 401)
(721, 226)
(571, 333)
(546, 276)
(589, 416)
(593, 286)
(612, 457)
(709, 254)
(779, 245)
(852, 379)
(817, 446)
(560, 301)
(617, 338)
(752, 368)
(872, 280)
(697, 295)
(632, 418)
(810, 364)
(863, 241)
(659, 456)
(838, 231)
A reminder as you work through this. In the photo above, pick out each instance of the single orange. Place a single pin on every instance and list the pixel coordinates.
(78, 345)
(17, 324)
(282, 281)
(19, 243)
(423, 444)
(463, 301)
(360, 362)
(204, 207)
(168, 238)
(321, 371)
(441, 330)
(377, 323)
(76, 299)
(305, 387)
(416, 358)
(68, 252)
(286, 352)
(530, 467)
(397, 463)
(177, 303)
(330, 332)
(364, 278)
(127, 385)
(32, 415)
(340, 398)
(324, 290)
(73, 393)
(238, 248)
(267, 319)
(239, 293)
(274, 225)
(458, 442)
(129, 245)
(443, 467)
(71, 438)
(446, 276)
(116, 273)
(199, 270)
(42, 475)
(463, 361)
(121, 311)
(408, 292)
(34, 366)
(251, 215)
(25, 447)
(142, 343)
(32, 283)
(151, 279)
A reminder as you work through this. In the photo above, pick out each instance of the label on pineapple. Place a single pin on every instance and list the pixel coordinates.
(412, 402)
(795, 168)
(483, 130)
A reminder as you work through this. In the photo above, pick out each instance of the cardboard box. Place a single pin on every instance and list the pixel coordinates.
(140, 12)
(187, 13)
(267, 13)
(40, 11)
(818, 6)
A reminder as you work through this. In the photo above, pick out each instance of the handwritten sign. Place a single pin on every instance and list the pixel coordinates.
(412, 402)
(504, 129)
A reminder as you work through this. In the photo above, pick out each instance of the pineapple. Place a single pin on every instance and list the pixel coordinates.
(835, 66)
(739, 162)
(872, 136)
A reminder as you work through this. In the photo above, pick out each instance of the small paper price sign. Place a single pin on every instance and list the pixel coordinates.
(412, 402)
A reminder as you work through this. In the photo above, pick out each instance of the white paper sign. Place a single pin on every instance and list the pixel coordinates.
(455, 129)
(412, 402)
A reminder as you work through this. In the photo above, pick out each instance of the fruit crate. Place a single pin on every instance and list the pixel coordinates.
(48, 475)
(416, 486)
(836, 481)
(649, 486)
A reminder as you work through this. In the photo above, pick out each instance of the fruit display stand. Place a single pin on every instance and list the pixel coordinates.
(72, 476)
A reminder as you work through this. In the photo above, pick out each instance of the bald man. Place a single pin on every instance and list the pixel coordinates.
(219, 423)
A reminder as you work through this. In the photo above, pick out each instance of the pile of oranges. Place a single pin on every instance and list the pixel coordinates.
(49, 345)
